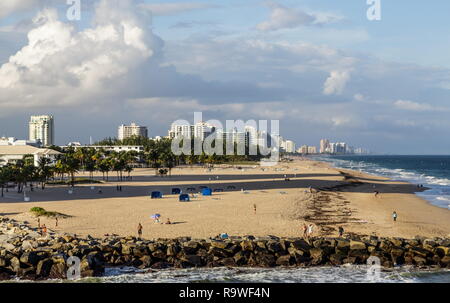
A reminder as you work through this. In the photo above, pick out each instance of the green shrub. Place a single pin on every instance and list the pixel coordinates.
(40, 212)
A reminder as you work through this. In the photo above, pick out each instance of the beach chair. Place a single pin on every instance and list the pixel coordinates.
(218, 190)
(231, 187)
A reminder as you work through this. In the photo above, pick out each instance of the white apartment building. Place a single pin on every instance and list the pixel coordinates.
(41, 128)
(324, 146)
(133, 130)
(200, 130)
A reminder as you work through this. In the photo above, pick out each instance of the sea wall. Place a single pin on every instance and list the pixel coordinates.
(24, 253)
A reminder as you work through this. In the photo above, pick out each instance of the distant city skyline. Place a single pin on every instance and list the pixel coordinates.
(319, 67)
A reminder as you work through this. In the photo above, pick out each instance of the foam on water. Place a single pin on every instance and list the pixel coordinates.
(343, 274)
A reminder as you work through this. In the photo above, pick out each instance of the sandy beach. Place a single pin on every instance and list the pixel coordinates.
(339, 198)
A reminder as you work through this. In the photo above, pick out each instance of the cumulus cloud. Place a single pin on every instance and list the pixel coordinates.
(58, 60)
(167, 9)
(336, 82)
(282, 17)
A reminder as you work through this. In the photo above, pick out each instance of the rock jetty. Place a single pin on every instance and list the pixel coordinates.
(25, 254)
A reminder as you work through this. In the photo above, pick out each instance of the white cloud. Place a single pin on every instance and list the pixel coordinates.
(336, 82)
(282, 17)
(415, 106)
(167, 9)
(58, 60)
(8, 7)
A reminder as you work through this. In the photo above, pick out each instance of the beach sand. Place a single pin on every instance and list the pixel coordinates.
(282, 206)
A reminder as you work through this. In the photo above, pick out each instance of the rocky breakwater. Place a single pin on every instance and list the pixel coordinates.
(25, 254)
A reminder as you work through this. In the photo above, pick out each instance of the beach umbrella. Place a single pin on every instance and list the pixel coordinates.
(155, 216)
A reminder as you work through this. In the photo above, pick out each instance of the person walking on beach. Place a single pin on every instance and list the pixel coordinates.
(39, 222)
(254, 208)
(140, 231)
(376, 193)
(394, 216)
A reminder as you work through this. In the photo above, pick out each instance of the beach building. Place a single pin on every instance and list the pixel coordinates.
(41, 128)
(10, 154)
(133, 130)
(111, 148)
(11, 141)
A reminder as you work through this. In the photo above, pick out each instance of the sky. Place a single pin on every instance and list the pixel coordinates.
(320, 67)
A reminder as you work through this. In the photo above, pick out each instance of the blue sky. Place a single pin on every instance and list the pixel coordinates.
(319, 66)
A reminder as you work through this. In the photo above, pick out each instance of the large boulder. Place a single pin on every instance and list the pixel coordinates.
(248, 245)
(219, 244)
(43, 268)
(286, 260)
(357, 245)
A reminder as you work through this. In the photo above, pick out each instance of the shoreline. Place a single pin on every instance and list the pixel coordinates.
(424, 190)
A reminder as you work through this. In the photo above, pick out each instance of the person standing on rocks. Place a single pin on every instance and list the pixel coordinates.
(140, 231)
(305, 231)
(394, 216)
(56, 221)
(341, 231)
(310, 230)
(44, 230)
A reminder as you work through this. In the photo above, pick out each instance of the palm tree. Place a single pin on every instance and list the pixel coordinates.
(45, 172)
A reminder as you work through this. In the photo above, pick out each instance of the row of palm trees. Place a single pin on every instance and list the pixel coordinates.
(156, 154)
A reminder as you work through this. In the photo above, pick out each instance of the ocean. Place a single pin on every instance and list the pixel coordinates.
(431, 171)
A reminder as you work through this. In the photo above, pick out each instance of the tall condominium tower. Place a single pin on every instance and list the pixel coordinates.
(127, 131)
(42, 129)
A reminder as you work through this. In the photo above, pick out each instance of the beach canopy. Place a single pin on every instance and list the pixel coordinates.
(176, 191)
(156, 195)
(207, 192)
(156, 216)
(184, 198)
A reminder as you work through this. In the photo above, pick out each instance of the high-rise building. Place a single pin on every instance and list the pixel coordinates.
(133, 130)
(200, 130)
(324, 146)
(41, 128)
(312, 150)
(290, 146)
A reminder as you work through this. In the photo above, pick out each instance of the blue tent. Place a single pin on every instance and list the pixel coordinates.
(156, 195)
(184, 198)
(207, 192)
(176, 191)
